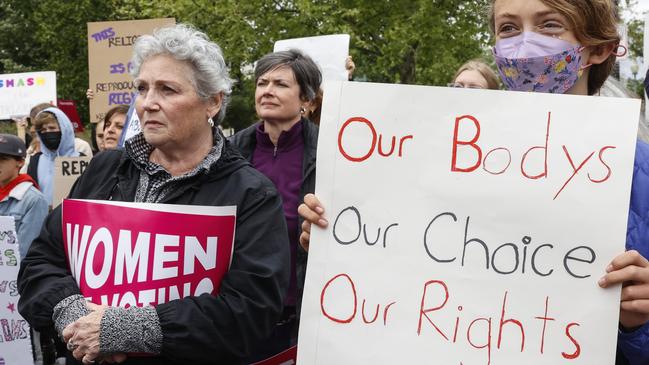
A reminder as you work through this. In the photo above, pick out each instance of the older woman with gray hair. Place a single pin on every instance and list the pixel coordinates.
(178, 158)
(283, 147)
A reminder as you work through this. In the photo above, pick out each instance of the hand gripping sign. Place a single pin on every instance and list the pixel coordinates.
(134, 254)
(466, 227)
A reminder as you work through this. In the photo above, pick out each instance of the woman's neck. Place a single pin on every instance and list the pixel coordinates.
(275, 128)
(180, 160)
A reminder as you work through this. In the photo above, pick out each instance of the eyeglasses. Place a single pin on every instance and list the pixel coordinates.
(470, 86)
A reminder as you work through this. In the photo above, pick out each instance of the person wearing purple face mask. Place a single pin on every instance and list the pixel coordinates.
(534, 62)
(569, 46)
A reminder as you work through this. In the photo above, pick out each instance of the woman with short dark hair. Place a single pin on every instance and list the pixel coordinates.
(113, 126)
(283, 147)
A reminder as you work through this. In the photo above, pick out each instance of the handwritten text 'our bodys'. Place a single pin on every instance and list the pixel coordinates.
(494, 161)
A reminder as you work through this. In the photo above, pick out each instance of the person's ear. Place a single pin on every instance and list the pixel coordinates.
(599, 54)
(215, 105)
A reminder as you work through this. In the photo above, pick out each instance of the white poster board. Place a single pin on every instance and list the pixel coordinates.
(20, 92)
(459, 232)
(131, 127)
(15, 343)
(328, 51)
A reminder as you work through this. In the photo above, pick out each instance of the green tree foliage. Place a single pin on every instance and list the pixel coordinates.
(394, 41)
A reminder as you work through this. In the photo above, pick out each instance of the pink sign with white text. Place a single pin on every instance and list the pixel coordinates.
(136, 254)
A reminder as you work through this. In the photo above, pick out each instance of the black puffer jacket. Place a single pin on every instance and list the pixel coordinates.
(196, 330)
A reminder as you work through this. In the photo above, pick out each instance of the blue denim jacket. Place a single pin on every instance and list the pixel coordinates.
(29, 207)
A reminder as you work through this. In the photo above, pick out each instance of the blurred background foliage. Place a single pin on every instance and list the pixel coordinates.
(392, 41)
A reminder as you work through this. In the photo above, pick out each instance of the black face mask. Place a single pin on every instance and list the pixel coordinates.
(51, 140)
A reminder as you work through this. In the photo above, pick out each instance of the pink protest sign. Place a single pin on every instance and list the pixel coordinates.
(134, 254)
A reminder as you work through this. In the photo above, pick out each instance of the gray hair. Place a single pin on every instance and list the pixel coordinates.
(307, 74)
(185, 43)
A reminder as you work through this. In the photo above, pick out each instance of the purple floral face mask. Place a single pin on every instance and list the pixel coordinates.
(535, 62)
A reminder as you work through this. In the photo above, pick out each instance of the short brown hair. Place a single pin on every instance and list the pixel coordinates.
(43, 118)
(484, 70)
(594, 23)
(119, 109)
(306, 72)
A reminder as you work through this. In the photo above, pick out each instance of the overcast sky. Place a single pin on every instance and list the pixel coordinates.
(643, 5)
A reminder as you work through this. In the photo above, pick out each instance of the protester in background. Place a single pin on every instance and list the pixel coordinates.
(114, 125)
(180, 157)
(539, 36)
(56, 136)
(97, 136)
(350, 66)
(19, 195)
(110, 129)
(96, 129)
(35, 144)
(475, 74)
(80, 145)
(314, 109)
(283, 147)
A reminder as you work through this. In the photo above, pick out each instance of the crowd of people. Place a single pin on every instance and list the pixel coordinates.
(268, 172)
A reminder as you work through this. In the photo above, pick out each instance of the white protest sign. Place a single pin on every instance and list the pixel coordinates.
(20, 92)
(66, 171)
(328, 51)
(15, 344)
(466, 227)
(131, 127)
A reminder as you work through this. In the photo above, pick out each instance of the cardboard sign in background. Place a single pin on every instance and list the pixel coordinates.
(15, 343)
(126, 254)
(66, 172)
(20, 92)
(466, 227)
(110, 48)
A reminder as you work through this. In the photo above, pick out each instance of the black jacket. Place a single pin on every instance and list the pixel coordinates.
(246, 141)
(196, 330)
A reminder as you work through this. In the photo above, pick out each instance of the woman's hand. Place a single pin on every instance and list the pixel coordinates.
(313, 213)
(90, 94)
(82, 335)
(350, 66)
(631, 270)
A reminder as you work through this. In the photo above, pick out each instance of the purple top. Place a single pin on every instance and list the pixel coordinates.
(282, 164)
